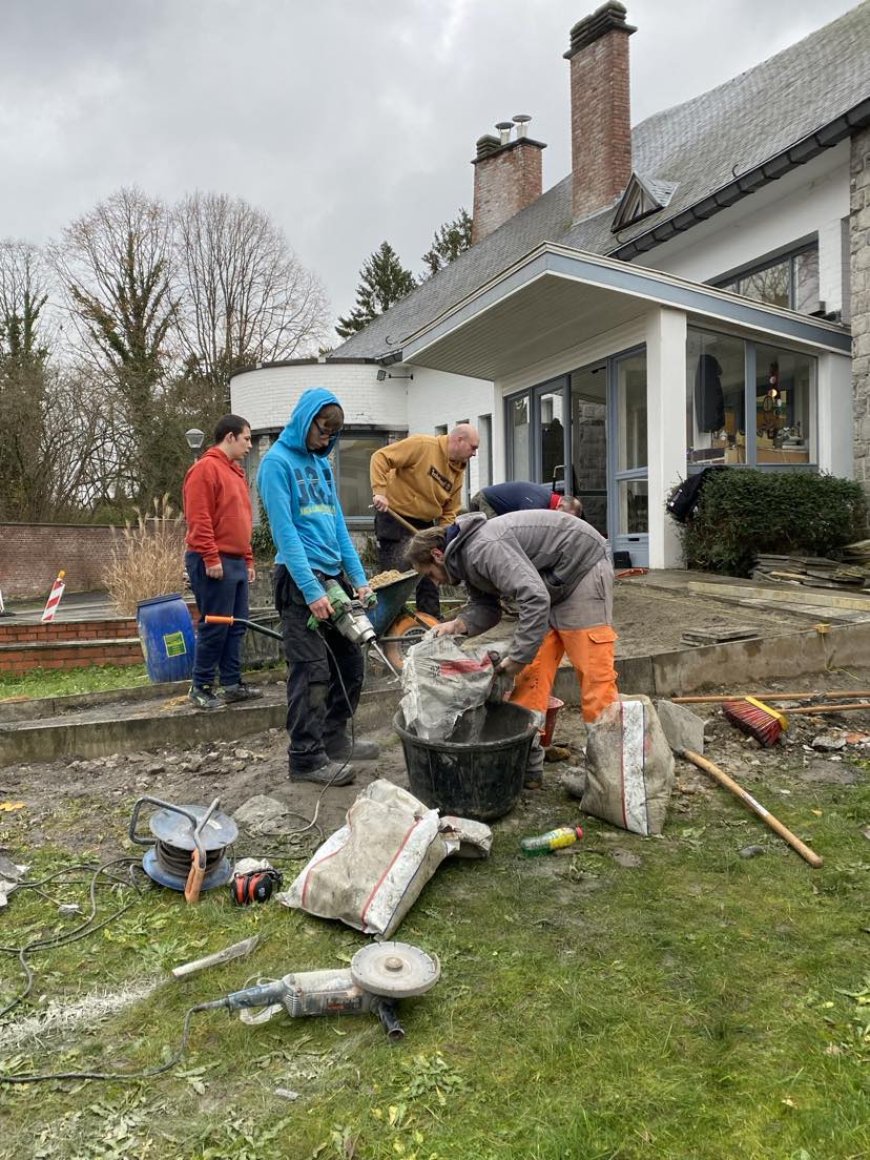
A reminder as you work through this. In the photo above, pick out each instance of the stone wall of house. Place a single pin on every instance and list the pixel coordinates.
(31, 555)
(860, 312)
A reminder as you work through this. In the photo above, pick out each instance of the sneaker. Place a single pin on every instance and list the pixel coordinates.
(203, 697)
(332, 773)
(361, 750)
(240, 692)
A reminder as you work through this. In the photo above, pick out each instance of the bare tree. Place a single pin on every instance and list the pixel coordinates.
(115, 267)
(244, 297)
(23, 379)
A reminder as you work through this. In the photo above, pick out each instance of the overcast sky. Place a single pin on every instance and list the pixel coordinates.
(349, 122)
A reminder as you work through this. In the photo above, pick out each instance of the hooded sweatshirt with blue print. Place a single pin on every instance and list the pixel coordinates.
(298, 491)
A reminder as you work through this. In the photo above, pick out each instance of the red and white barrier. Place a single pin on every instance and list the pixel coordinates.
(53, 598)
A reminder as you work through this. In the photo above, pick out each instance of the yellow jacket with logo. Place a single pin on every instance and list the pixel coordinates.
(418, 479)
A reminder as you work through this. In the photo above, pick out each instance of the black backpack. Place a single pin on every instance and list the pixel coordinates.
(683, 501)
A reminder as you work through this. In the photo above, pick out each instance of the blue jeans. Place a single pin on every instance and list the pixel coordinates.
(218, 646)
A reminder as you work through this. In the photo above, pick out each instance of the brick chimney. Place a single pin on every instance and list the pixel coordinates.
(507, 176)
(600, 113)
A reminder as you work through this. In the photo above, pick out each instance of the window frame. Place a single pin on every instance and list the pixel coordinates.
(750, 368)
(733, 278)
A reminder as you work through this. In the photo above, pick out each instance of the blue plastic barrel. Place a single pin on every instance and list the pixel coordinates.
(166, 633)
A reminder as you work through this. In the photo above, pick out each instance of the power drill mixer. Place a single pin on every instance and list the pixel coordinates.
(349, 617)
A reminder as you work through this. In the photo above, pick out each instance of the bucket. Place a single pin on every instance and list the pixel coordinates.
(479, 779)
(166, 633)
(553, 707)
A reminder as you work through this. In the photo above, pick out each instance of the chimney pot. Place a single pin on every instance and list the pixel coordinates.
(504, 129)
(521, 120)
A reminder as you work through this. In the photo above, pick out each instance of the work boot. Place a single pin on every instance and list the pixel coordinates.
(330, 773)
(240, 692)
(342, 749)
(202, 696)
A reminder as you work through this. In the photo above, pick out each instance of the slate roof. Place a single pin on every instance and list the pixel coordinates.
(721, 145)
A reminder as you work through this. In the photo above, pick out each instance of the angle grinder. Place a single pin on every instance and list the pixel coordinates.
(379, 975)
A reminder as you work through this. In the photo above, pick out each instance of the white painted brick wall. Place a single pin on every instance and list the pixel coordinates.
(266, 397)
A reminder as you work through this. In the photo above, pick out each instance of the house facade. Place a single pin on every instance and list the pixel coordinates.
(695, 292)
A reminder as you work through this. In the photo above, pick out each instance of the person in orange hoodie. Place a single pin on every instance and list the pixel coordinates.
(220, 562)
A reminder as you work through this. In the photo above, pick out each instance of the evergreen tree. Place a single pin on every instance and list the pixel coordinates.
(383, 282)
(452, 239)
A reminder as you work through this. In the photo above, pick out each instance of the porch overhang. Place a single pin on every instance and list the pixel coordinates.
(556, 297)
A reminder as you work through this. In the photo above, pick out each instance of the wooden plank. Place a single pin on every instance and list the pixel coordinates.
(803, 594)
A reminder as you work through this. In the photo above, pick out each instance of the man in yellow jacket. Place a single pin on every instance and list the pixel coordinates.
(420, 479)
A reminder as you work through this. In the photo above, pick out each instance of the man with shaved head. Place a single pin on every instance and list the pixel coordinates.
(420, 479)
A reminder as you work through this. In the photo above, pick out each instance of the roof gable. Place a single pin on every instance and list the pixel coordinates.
(641, 198)
(689, 161)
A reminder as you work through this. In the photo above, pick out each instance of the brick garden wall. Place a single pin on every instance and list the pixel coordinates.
(68, 644)
(31, 555)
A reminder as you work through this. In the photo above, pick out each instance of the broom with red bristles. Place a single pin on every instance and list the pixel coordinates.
(758, 720)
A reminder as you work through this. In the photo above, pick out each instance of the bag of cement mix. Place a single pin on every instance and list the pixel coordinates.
(440, 680)
(629, 767)
(369, 873)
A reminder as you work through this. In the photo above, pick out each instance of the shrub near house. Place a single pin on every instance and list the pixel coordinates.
(742, 513)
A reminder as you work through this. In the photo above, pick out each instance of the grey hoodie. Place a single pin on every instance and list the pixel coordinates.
(536, 558)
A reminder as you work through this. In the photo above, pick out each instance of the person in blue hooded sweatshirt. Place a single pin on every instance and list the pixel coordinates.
(325, 670)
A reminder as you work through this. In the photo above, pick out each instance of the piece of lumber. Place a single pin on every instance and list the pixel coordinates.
(236, 951)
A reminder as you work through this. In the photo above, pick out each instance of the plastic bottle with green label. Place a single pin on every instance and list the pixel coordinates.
(552, 841)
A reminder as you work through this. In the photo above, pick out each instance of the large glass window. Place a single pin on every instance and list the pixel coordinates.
(783, 381)
(484, 452)
(778, 402)
(552, 435)
(352, 472)
(715, 398)
(589, 442)
(519, 445)
(791, 281)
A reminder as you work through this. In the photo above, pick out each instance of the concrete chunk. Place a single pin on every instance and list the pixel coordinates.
(683, 728)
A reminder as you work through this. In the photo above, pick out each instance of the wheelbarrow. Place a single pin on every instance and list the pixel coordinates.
(397, 624)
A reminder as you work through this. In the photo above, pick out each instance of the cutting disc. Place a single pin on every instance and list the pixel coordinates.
(394, 970)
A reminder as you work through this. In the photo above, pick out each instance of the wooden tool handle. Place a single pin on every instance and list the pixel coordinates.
(719, 775)
(808, 710)
(399, 520)
(212, 619)
(713, 699)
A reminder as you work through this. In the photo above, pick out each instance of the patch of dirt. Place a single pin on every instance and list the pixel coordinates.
(84, 806)
(651, 619)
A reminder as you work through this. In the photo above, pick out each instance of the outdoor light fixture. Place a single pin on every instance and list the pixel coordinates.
(194, 439)
(382, 374)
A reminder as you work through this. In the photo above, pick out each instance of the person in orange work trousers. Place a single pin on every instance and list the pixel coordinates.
(557, 570)
(220, 562)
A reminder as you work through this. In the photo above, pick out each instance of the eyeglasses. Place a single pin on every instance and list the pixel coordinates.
(326, 432)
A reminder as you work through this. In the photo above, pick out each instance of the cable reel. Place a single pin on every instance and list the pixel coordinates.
(188, 850)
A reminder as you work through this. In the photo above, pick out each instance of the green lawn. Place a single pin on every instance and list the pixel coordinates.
(641, 998)
(65, 682)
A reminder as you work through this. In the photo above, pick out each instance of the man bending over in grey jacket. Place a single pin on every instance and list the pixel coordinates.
(555, 567)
